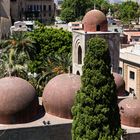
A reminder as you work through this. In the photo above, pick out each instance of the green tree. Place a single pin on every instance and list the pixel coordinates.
(77, 9)
(138, 15)
(128, 11)
(54, 65)
(16, 52)
(49, 41)
(115, 9)
(67, 15)
(95, 112)
(53, 55)
(102, 5)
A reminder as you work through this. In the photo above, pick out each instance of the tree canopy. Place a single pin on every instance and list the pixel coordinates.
(49, 41)
(37, 56)
(53, 55)
(126, 11)
(95, 112)
(16, 53)
(75, 10)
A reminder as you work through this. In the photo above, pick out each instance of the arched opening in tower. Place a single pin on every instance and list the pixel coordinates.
(78, 73)
(79, 55)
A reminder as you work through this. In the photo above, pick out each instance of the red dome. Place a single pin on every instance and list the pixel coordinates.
(59, 94)
(18, 100)
(95, 20)
(120, 84)
(130, 112)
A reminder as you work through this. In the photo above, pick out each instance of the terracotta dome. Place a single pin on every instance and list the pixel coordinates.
(19, 102)
(130, 112)
(95, 20)
(59, 94)
(120, 84)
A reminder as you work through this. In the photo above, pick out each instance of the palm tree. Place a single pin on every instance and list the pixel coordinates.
(20, 43)
(59, 63)
(16, 52)
(54, 64)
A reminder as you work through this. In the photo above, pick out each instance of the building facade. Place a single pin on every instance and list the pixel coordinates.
(5, 20)
(19, 10)
(41, 10)
(129, 68)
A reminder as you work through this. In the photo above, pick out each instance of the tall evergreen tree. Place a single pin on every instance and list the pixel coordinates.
(95, 112)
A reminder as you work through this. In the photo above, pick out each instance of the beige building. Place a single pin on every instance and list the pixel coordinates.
(129, 67)
(42, 10)
(16, 10)
(5, 20)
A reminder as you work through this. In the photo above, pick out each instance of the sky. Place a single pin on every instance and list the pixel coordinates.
(111, 1)
(118, 1)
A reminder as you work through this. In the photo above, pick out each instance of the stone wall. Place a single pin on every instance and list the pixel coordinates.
(80, 39)
(44, 132)
(132, 136)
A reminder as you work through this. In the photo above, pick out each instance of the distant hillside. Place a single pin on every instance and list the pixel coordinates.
(119, 1)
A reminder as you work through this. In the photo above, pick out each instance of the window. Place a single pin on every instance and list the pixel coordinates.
(132, 75)
(136, 39)
(31, 8)
(113, 23)
(78, 73)
(49, 14)
(98, 28)
(44, 14)
(34, 7)
(115, 30)
(79, 55)
(37, 7)
(131, 90)
(120, 70)
(44, 7)
(50, 7)
(40, 7)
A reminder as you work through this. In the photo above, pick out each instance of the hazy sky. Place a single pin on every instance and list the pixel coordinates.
(111, 1)
(118, 1)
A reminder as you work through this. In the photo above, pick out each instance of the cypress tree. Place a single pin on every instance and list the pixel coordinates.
(95, 111)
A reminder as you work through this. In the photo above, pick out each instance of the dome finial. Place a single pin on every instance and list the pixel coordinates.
(109, 14)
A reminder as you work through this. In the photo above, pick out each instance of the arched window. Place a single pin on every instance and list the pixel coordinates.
(78, 73)
(98, 28)
(79, 55)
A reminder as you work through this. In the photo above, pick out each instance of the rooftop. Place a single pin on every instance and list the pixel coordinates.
(98, 32)
(131, 53)
(47, 117)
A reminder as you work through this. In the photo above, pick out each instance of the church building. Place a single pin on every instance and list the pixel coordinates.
(94, 24)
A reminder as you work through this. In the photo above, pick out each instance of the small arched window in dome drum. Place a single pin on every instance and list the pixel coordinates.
(78, 73)
(79, 55)
(98, 28)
